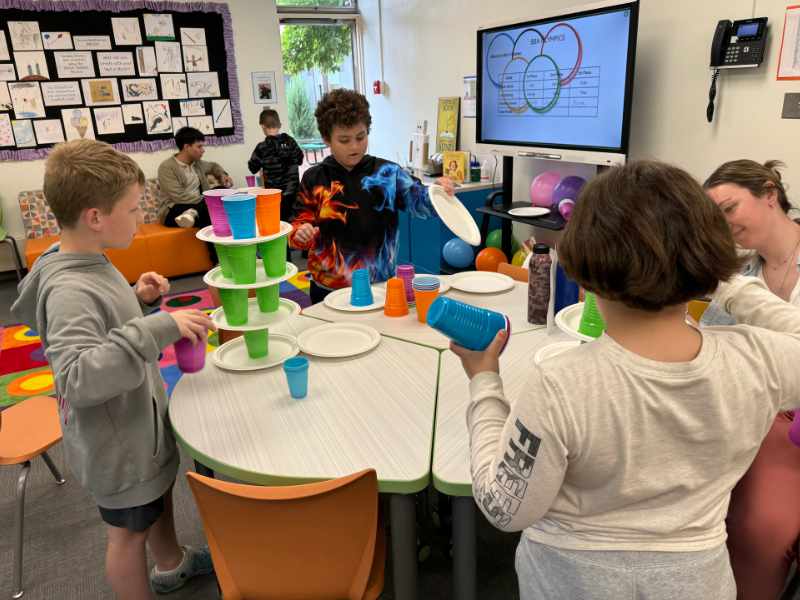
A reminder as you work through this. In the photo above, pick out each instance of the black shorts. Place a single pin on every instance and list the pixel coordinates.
(137, 518)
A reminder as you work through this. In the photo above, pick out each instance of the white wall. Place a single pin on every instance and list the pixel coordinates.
(257, 47)
(430, 46)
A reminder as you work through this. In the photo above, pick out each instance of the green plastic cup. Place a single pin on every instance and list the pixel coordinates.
(242, 260)
(268, 298)
(592, 323)
(224, 261)
(273, 253)
(257, 343)
(234, 303)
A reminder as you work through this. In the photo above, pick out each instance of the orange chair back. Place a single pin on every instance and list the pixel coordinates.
(513, 271)
(307, 541)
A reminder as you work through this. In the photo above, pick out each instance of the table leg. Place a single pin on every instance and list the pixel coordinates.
(203, 470)
(404, 546)
(464, 563)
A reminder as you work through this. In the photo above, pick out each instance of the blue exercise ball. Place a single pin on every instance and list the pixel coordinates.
(458, 253)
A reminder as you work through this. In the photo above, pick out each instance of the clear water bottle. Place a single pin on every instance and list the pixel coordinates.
(539, 284)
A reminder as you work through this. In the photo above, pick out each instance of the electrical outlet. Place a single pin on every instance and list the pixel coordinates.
(791, 106)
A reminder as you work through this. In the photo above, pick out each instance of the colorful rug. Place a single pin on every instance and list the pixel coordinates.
(23, 367)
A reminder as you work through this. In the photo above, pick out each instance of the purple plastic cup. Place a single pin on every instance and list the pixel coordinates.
(251, 180)
(406, 273)
(216, 211)
(191, 358)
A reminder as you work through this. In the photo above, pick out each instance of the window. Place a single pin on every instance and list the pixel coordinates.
(317, 5)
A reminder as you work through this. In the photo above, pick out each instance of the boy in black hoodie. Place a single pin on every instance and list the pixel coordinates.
(346, 209)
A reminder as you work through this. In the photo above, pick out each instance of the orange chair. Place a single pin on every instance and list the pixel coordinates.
(320, 541)
(27, 430)
(513, 271)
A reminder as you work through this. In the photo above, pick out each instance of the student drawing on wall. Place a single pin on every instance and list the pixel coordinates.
(265, 91)
(139, 89)
(158, 120)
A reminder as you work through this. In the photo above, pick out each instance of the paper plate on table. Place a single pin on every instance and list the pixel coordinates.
(255, 318)
(529, 211)
(568, 320)
(338, 340)
(232, 356)
(481, 282)
(206, 234)
(340, 300)
(554, 349)
(454, 215)
(214, 278)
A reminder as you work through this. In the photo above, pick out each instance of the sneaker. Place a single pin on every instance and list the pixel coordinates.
(186, 218)
(195, 562)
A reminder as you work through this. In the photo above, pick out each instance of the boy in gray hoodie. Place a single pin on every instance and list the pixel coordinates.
(104, 354)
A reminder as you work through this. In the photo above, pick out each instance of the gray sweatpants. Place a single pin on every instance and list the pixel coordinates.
(548, 573)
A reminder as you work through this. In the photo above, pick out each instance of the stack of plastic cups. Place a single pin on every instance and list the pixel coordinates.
(361, 291)
(469, 326)
(426, 290)
(241, 212)
(396, 304)
(406, 273)
(592, 323)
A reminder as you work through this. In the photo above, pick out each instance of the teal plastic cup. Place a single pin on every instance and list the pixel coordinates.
(257, 343)
(224, 260)
(273, 253)
(234, 304)
(241, 212)
(269, 298)
(242, 262)
(296, 370)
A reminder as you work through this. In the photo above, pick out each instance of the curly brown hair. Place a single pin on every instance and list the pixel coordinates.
(647, 235)
(341, 108)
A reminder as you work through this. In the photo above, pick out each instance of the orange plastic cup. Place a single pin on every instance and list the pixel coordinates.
(424, 298)
(268, 211)
(396, 304)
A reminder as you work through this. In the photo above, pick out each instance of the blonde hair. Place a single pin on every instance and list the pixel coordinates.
(86, 174)
(758, 179)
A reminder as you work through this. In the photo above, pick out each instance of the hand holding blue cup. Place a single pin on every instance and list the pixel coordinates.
(469, 326)
(296, 370)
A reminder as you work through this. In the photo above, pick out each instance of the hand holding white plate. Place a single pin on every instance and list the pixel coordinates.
(454, 215)
(338, 340)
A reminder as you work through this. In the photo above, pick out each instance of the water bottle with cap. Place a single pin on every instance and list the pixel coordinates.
(539, 284)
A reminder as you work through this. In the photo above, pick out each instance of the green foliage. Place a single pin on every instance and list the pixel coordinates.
(302, 122)
(306, 47)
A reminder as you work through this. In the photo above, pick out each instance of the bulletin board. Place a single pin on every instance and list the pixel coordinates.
(126, 72)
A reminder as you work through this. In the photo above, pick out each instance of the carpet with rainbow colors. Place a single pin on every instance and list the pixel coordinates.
(24, 371)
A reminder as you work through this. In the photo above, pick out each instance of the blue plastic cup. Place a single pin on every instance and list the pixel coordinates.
(241, 211)
(469, 326)
(361, 291)
(296, 370)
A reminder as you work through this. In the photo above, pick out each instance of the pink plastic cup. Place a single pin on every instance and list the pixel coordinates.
(251, 180)
(216, 211)
(406, 273)
(191, 358)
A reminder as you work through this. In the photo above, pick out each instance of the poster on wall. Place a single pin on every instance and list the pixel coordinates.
(146, 60)
(157, 117)
(193, 36)
(23, 133)
(6, 131)
(195, 58)
(5, 97)
(264, 87)
(126, 31)
(115, 64)
(7, 72)
(31, 66)
(25, 36)
(57, 40)
(447, 124)
(61, 93)
(132, 114)
(179, 123)
(109, 120)
(789, 60)
(92, 42)
(221, 113)
(193, 108)
(48, 131)
(77, 123)
(158, 27)
(168, 57)
(204, 124)
(3, 46)
(203, 85)
(139, 89)
(100, 92)
(173, 86)
(74, 65)
(27, 100)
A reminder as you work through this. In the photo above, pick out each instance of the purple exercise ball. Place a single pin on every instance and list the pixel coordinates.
(569, 187)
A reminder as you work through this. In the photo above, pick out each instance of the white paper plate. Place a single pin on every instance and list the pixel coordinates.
(529, 211)
(337, 340)
(340, 300)
(481, 282)
(232, 356)
(554, 349)
(568, 320)
(454, 215)
(255, 318)
(215, 279)
(207, 235)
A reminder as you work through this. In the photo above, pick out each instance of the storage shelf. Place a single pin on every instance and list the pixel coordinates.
(549, 221)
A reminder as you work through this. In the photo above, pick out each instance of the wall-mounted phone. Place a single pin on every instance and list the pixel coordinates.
(736, 45)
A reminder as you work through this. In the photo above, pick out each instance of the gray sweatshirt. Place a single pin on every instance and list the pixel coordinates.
(104, 356)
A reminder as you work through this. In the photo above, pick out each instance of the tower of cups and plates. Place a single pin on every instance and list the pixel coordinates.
(246, 225)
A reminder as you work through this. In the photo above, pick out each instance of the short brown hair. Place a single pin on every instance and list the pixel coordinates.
(86, 174)
(341, 108)
(647, 235)
(757, 178)
(269, 118)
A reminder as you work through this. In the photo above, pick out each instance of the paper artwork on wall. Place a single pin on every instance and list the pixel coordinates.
(132, 114)
(135, 90)
(195, 58)
(7, 72)
(100, 92)
(48, 131)
(221, 114)
(31, 66)
(77, 123)
(115, 64)
(193, 108)
(57, 40)
(158, 26)
(27, 100)
(126, 31)
(193, 36)
(92, 42)
(179, 123)
(4, 46)
(204, 124)
(168, 57)
(203, 85)
(6, 131)
(61, 93)
(109, 120)
(264, 87)
(5, 97)
(25, 36)
(157, 117)
(74, 65)
(173, 86)
(146, 60)
(23, 133)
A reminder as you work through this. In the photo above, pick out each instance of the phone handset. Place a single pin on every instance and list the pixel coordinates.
(721, 40)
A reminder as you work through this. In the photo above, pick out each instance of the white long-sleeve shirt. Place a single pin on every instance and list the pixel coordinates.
(607, 450)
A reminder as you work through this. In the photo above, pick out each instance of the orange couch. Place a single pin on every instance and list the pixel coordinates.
(170, 251)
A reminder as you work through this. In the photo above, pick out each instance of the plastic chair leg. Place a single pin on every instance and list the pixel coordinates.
(17, 258)
(21, 483)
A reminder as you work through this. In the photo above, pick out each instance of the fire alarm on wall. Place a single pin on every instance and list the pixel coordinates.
(377, 87)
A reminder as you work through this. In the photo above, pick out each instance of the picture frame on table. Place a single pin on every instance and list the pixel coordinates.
(264, 90)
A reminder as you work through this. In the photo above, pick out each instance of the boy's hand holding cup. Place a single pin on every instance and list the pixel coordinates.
(150, 287)
(305, 233)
